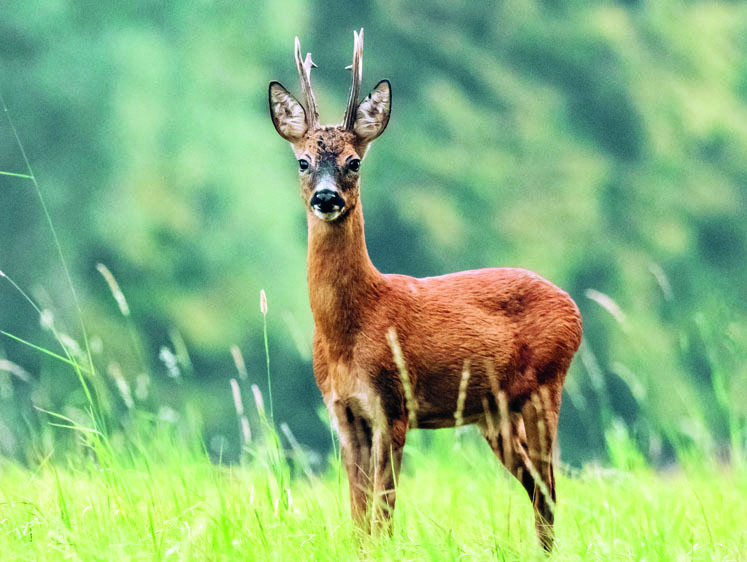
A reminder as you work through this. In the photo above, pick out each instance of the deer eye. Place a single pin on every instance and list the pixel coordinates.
(303, 164)
(354, 165)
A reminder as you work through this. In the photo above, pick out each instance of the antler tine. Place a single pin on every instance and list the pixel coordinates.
(304, 72)
(355, 88)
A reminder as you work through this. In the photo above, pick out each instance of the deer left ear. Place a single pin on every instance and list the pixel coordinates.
(372, 115)
(288, 115)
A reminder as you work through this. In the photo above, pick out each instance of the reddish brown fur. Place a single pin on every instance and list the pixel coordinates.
(515, 331)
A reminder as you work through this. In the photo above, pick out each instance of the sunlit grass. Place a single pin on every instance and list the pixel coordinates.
(161, 500)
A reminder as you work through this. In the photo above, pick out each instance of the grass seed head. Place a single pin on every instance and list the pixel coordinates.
(263, 302)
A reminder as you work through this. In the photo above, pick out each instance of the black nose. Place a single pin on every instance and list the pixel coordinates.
(327, 201)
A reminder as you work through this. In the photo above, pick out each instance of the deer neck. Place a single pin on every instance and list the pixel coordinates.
(341, 276)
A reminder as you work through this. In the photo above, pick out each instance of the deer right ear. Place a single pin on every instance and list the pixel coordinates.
(372, 115)
(288, 115)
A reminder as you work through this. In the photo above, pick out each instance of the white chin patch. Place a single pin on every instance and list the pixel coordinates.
(329, 217)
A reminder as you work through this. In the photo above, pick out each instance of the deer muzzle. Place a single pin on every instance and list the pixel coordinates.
(327, 204)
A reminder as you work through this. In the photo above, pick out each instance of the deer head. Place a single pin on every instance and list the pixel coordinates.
(329, 158)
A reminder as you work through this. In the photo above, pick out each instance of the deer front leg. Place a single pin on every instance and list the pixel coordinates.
(355, 435)
(388, 443)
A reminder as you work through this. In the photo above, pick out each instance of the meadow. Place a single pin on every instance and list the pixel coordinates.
(155, 497)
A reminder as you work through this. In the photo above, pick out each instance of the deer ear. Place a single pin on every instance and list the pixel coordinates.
(287, 113)
(373, 112)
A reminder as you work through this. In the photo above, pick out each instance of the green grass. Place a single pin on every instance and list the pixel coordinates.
(159, 499)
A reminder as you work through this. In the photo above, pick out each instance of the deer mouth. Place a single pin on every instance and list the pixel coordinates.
(327, 204)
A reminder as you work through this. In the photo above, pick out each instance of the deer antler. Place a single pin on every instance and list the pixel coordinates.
(357, 67)
(304, 72)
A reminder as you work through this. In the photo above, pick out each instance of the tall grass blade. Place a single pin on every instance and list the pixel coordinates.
(263, 309)
(57, 244)
(14, 175)
(68, 360)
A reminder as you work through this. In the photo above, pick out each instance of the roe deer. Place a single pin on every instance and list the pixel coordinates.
(391, 352)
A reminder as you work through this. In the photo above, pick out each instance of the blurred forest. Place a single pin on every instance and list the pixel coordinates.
(599, 144)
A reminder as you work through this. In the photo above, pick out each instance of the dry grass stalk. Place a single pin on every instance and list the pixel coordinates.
(114, 288)
(259, 402)
(246, 434)
(399, 360)
(115, 372)
(505, 421)
(492, 434)
(238, 361)
(458, 414)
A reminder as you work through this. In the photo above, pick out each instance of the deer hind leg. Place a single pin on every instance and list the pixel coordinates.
(540, 414)
(522, 441)
(507, 438)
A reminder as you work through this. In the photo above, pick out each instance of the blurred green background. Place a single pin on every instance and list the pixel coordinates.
(600, 144)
